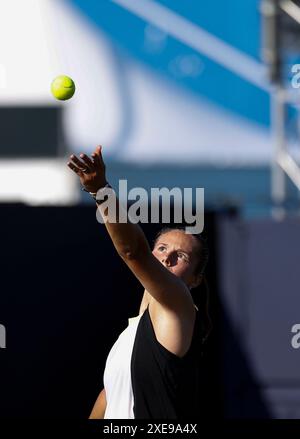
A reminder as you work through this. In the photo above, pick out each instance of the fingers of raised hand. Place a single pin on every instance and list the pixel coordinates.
(74, 168)
(88, 162)
(98, 153)
(95, 158)
(79, 164)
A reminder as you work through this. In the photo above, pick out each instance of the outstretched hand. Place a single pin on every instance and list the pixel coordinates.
(91, 171)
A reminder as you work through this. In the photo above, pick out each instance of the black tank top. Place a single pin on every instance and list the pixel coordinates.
(164, 385)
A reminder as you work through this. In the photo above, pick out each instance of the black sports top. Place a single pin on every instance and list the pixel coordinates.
(144, 380)
(165, 386)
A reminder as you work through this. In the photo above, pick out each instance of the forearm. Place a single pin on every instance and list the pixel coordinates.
(128, 238)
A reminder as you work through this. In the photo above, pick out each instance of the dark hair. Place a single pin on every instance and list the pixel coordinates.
(200, 293)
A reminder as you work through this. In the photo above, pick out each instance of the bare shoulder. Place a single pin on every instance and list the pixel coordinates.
(174, 330)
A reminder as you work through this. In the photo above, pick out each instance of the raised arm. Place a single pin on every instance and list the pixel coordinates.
(130, 241)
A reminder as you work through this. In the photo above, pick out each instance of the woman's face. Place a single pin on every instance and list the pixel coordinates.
(178, 252)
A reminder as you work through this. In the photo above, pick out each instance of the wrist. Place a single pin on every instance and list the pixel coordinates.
(92, 190)
(94, 194)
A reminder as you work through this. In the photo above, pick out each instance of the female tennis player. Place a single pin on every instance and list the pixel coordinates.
(152, 370)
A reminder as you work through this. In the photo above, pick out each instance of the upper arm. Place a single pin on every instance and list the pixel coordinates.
(169, 290)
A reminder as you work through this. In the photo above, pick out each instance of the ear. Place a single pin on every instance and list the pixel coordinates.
(197, 280)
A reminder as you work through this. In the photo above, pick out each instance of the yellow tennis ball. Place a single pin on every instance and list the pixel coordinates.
(63, 87)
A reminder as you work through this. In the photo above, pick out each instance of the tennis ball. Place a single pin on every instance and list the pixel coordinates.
(63, 87)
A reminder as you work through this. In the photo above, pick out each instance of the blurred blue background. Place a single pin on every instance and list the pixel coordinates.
(176, 92)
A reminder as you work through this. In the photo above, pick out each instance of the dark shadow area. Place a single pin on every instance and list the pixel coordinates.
(41, 126)
(242, 396)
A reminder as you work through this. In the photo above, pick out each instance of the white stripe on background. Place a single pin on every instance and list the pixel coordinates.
(200, 40)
